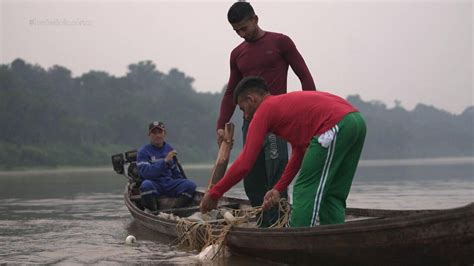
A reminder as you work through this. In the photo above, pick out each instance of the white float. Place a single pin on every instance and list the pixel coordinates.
(130, 240)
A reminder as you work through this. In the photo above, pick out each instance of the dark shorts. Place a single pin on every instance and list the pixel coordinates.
(266, 171)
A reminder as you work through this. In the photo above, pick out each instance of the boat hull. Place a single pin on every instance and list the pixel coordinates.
(437, 238)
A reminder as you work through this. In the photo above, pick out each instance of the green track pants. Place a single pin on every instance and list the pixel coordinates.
(325, 177)
(266, 171)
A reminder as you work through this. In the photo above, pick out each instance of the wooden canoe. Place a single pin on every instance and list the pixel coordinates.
(378, 237)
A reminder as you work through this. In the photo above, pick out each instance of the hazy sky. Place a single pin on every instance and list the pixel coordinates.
(413, 51)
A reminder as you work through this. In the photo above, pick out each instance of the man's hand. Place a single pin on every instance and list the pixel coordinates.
(170, 155)
(220, 136)
(272, 197)
(207, 203)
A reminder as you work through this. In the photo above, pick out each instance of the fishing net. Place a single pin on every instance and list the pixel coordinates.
(199, 235)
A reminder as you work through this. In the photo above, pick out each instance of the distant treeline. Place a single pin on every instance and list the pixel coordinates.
(49, 118)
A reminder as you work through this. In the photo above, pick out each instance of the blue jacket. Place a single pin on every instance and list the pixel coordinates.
(151, 163)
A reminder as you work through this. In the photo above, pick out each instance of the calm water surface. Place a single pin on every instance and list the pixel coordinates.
(78, 217)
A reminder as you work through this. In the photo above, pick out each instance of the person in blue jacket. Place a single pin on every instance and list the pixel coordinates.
(157, 166)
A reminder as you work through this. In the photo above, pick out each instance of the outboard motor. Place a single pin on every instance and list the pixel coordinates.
(119, 161)
(130, 158)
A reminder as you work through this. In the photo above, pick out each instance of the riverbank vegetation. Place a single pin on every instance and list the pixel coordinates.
(50, 118)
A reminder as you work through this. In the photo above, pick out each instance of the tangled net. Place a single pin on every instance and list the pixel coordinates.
(202, 234)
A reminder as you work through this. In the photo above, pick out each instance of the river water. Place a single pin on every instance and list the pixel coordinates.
(77, 216)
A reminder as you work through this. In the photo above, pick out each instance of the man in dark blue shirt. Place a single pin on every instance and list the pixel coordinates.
(158, 168)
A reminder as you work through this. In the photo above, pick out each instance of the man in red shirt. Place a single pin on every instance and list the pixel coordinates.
(268, 55)
(326, 134)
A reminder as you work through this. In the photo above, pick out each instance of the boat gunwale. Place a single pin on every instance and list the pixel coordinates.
(416, 218)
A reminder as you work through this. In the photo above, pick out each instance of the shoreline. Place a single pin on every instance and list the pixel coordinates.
(362, 163)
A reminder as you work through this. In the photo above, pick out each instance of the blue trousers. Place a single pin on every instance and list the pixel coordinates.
(169, 187)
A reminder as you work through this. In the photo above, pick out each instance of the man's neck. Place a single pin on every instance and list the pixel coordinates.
(260, 33)
(158, 146)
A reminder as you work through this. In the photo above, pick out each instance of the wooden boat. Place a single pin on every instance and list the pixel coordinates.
(370, 237)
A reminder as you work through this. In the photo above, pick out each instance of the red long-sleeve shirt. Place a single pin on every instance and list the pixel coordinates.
(268, 57)
(296, 117)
